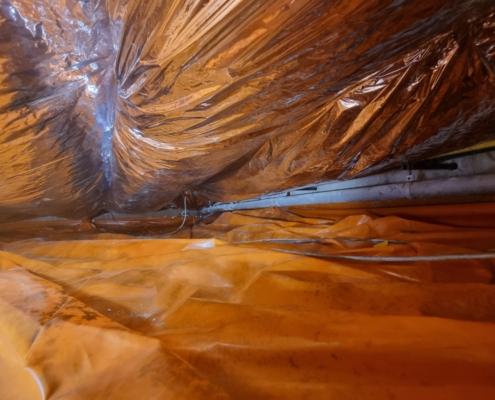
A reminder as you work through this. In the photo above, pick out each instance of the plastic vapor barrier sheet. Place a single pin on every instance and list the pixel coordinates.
(257, 305)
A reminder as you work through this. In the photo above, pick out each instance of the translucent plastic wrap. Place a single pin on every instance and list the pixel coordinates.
(126, 104)
(123, 318)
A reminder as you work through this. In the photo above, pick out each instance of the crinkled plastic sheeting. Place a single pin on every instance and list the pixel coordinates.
(126, 104)
(117, 318)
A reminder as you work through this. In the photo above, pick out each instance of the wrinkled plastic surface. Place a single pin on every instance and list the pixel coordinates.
(54, 60)
(121, 318)
(126, 104)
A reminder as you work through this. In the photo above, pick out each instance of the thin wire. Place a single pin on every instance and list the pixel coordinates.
(184, 219)
(400, 259)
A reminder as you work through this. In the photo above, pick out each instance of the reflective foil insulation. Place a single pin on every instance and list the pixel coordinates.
(125, 105)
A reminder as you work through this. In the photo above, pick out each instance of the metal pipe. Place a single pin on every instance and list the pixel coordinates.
(415, 190)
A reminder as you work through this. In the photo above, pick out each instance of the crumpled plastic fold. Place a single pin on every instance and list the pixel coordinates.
(226, 315)
(125, 105)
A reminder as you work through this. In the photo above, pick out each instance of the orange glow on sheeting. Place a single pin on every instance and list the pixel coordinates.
(132, 318)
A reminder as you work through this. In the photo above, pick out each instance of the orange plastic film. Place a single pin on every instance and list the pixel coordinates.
(125, 317)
